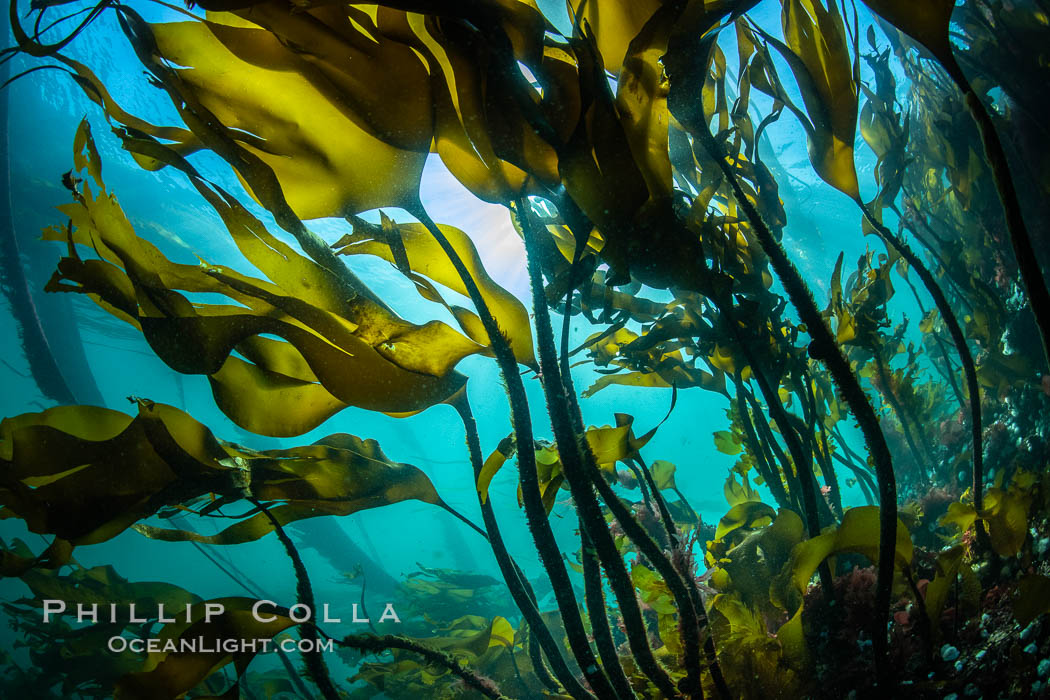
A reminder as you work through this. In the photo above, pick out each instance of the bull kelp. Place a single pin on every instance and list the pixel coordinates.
(714, 336)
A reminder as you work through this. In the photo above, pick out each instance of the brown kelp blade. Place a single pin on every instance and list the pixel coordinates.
(85, 474)
(334, 351)
(288, 111)
(423, 256)
(817, 46)
(926, 22)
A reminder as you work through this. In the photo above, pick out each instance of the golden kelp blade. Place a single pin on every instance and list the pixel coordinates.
(433, 348)
(89, 486)
(493, 464)
(598, 169)
(641, 98)
(818, 52)
(67, 656)
(609, 445)
(615, 24)
(1005, 514)
(345, 53)
(739, 615)
(102, 585)
(340, 351)
(858, 532)
(86, 474)
(630, 38)
(16, 561)
(749, 514)
(663, 474)
(339, 475)
(827, 77)
(425, 257)
(291, 118)
(757, 556)
(485, 135)
(549, 471)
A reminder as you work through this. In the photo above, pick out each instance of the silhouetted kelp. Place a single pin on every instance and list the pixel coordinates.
(653, 180)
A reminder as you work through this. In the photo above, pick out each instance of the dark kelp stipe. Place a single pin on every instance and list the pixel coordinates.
(633, 156)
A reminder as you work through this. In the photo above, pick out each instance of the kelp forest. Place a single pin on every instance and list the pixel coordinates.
(881, 394)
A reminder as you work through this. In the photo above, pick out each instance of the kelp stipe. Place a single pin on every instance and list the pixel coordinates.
(628, 152)
(582, 482)
(823, 348)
